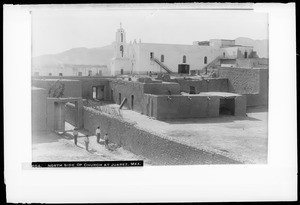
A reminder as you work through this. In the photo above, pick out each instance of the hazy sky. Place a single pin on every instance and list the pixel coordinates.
(55, 31)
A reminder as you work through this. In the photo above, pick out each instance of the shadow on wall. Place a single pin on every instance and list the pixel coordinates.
(221, 119)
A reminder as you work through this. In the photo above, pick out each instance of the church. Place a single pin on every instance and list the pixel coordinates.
(144, 58)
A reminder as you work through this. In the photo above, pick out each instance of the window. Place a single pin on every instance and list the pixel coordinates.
(223, 54)
(162, 58)
(192, 90)
(184, 59)
(90, 73)
(122, 71)
(50, 74)
(205, 60)
(60, 74)
(79, 73)
(151, 55)
(121, 37)
(122, 50)
(246, 54)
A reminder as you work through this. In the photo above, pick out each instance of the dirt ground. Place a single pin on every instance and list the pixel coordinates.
(240, 138)
(54, 147)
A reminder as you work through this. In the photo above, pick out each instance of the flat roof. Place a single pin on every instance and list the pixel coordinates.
(220, 94)
(58, 79)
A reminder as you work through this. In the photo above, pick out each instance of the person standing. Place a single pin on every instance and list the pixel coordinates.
(87, 141)
(106, 140)
(75, 134)
(98, 134)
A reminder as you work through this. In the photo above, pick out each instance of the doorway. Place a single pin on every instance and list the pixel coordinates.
(227, 106)
(132, 100)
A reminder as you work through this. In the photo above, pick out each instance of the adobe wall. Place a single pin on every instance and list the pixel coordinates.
(38, 109)
(162, 88)
(251, 82)
(88, 84)
(72, 87)
(207, 85)
(185, 107)
(127, 89)
(262, 97)
(242, 81)
(149, 145)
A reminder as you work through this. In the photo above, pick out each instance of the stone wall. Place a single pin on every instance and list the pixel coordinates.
(152, 146)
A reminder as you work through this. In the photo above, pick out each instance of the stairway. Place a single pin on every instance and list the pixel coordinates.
(212, 63)
(162, 65)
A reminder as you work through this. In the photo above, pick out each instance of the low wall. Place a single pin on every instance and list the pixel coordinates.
(149, 145)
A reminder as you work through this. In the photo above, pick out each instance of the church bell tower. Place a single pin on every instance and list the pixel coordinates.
(120, 63)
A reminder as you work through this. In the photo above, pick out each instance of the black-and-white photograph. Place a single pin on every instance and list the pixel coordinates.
(120, 103)
(169, 87)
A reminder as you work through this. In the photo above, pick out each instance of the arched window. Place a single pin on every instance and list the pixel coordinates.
(121, 49)
(162, 58)
(184, 59)
(205, 60)
(121, 37)
(223, 54)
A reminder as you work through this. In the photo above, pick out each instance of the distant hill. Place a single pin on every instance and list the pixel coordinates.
(102, 55)
(77, 56)
(260, 46)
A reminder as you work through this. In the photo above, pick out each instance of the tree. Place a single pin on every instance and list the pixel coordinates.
(57, 90)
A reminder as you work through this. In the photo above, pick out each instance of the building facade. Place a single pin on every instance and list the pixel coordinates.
(143, 58)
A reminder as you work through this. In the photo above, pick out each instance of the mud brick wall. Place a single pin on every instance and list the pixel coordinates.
(127, 90)
(242, 81)
(251, 82)
(88, 84)
(208, 85)
(180, 107)
(72, 87)
(141, 142)
(38, 109)
(162, 88)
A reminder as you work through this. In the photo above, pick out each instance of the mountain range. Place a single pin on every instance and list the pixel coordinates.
(102, 55)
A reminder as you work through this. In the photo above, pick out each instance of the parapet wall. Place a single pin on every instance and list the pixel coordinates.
(159, 150)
